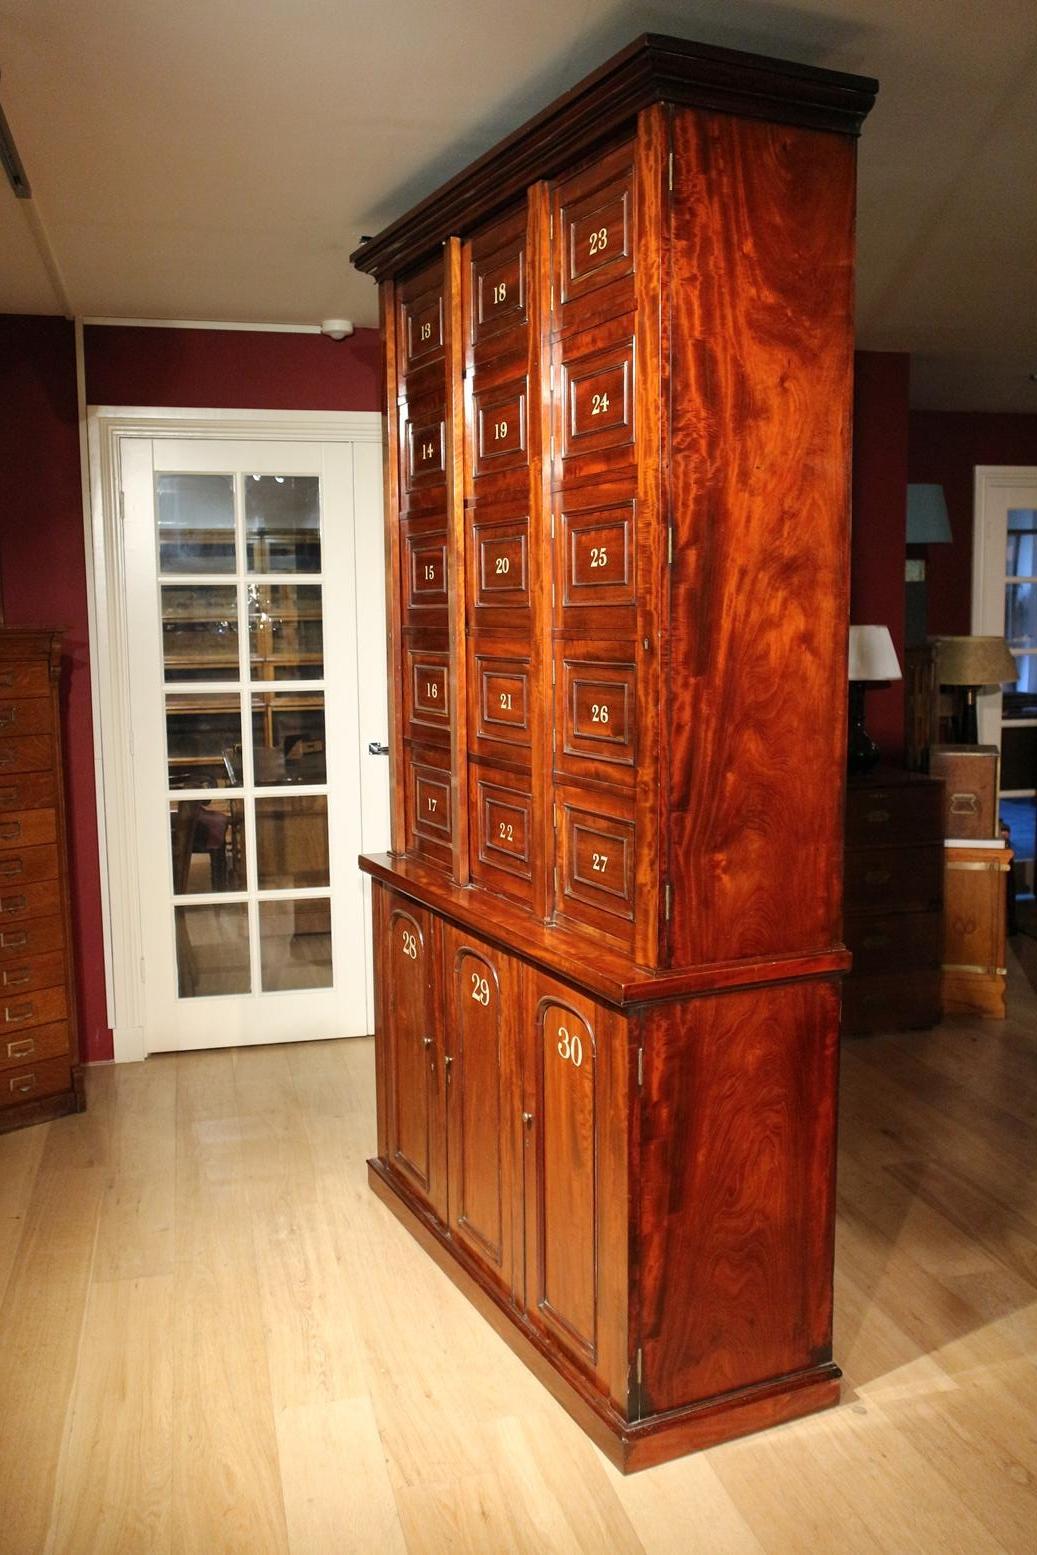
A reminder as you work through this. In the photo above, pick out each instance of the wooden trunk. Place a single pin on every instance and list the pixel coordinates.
(618, 360)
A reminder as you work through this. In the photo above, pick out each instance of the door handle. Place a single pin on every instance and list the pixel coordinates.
(376, 748)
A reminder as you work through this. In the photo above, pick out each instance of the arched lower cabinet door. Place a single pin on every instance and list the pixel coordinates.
(413, 1051)
(482, 1119)
(575, 1150)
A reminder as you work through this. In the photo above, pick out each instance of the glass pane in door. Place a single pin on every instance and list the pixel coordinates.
(292, 841)
(285, 631)
(282, 523)
(288, 737)
(199, 632)
(207, 839)
(295, 941)
(212, 950)
(203, 740)
(196, 523)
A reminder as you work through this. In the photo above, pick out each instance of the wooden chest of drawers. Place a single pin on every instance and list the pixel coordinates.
(893, 897)
(40, 1074)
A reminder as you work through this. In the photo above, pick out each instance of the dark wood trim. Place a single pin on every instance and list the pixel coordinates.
(630, 1446)
(585, 961)
(651, 69)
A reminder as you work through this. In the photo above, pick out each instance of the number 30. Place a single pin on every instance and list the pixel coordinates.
(570, 1047)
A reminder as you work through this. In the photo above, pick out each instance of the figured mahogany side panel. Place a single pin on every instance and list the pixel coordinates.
(762, 356)
(458, 673)
(482, 1100)
(736, 1190)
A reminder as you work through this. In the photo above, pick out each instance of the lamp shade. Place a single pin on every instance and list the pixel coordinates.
(927, 519)
(872, 655)
(973, 661)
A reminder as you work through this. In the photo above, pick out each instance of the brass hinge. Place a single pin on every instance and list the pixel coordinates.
(640, 1068)
(669, 545)
(551, 224)
(552, 523)
(552, 595)
(122, 506)
(552, 448)
(671, 171)
(637, 1384)
(552, 669)
(554, 816)
(556, 881)
(551, 377)
(667, 900)
(552, 296)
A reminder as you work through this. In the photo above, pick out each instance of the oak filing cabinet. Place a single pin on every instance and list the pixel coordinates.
(40, 1074)
(893, 922)
(618, 356)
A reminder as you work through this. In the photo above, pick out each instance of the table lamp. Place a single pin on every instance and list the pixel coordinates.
(968, 664)
(872, 659)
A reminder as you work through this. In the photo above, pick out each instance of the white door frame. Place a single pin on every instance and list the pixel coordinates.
(108, 427)
(988, 573)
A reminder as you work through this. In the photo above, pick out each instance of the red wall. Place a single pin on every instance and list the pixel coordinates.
(42, 560)
(880, 455)
(44, 580)
(232, 370)
(945, 447)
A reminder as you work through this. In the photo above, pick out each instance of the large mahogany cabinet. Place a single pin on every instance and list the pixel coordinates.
(618, 356)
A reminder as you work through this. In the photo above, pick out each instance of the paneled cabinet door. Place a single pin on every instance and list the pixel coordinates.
(482, 1100)
(414, 1078)
(576, 1099)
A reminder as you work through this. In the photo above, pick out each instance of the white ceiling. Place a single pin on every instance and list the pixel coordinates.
(219, 159)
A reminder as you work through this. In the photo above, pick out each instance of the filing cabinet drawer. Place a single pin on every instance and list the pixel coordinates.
(420, 332)
(596, 869)
(25, 973)
(423, 445)
(906, 815)
(32, 1081)
(30, 790)
(24, 865)
(426, 700)
(500, 431)
(597, 713)
(21, 940)
(25, 753)
(24, 680)
(502, 829)
(595, 223)
(429, 803)
(20, 1010)
(496, 300)
(597, 558)
(424, 576)
(894, 879)
(893, 1001)
(31, 1046)
(499, 564)
(597, 401)
(501, 703)
(28, 829)
(898, 942)
(24, 715)
(36, 900)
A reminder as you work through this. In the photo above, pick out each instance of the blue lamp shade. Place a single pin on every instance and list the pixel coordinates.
(927, 520)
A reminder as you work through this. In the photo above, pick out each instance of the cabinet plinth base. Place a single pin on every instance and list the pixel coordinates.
(630, 1446)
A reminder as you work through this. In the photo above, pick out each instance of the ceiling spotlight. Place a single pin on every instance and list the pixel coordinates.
(336, 329)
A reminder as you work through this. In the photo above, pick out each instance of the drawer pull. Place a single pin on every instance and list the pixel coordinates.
(22, 1084)
(13, 904)
(10, 831)
(14, 941)
(18, 1012)
(9, 867)
(24, 1049)
(877, 877)
(16, 977)
(877, 817)
(7, 716)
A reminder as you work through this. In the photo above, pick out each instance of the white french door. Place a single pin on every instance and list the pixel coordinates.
(244, 699)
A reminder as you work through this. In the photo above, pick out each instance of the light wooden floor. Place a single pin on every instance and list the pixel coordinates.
(212, 1337)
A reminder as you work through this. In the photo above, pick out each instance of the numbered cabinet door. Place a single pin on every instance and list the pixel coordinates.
(501, 706)
(482, 1102)
(426, 691)
(597, 858)
(413, 1066)
(596, 568)
(576, 1094)
(499, 570)
(596, 432)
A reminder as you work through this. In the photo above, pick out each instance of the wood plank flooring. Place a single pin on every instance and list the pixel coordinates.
(214, 1339)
